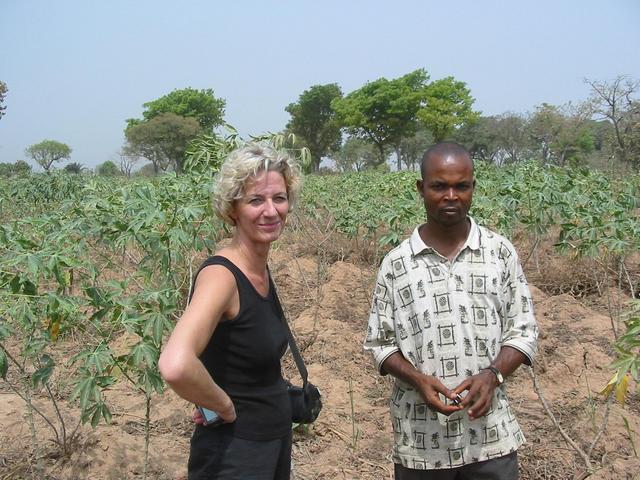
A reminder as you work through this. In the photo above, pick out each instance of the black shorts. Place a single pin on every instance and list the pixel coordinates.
(225, 457)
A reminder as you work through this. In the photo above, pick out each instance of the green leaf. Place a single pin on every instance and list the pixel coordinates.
(86, 390)
(15, 284)
(42, 375)
(144, 353)
(95, 418)
(106, 413)
(155, 326)
(4, 364)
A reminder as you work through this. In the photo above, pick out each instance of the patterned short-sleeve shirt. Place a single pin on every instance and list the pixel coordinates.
(450, 320)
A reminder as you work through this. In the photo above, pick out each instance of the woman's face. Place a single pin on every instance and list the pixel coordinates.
(261, 213)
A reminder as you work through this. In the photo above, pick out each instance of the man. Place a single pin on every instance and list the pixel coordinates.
(451, 319)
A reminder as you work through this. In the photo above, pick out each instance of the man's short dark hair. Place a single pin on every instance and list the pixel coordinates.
(444, 149)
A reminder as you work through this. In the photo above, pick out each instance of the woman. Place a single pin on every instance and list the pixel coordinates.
(224, 353)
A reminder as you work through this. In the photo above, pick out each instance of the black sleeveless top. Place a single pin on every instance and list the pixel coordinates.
(243, 358)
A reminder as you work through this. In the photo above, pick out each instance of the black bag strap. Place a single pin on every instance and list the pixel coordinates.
(292, 342)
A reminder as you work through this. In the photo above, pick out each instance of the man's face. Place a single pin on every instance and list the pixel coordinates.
(447, 188)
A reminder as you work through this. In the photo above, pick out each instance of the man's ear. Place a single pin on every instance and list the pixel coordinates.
(419, 184)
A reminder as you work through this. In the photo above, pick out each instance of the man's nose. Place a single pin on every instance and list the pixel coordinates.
(451, 193)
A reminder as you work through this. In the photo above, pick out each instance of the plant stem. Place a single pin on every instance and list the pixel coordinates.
(38, 473)
(354, 428)
(567, 438)
(147, 427)
(60, 419)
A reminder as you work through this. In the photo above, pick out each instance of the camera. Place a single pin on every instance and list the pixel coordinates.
(211, 418)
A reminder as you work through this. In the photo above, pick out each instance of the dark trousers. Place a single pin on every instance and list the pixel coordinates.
(225, 457)
(503, 468)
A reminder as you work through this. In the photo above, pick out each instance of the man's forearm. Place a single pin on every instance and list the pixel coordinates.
(399, 367)
(508, 360)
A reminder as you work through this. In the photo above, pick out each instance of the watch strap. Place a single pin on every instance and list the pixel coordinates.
(496, 372)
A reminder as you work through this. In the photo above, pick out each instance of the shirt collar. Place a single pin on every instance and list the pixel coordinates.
(418, 246)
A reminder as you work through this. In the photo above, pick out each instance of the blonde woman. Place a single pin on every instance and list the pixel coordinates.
(224, 353)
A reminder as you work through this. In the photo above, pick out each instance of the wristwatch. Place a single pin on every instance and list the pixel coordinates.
(496, 372)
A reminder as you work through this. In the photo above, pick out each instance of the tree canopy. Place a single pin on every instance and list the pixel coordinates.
(383, 111)
(108, 169)
(560, 135)
(163, 140)
(202, 105)
(616, 102)
(355, 154)
(47, 152)
(386, 112)
(313, 120)
(19, 168)
(74, 167)
(448, 104)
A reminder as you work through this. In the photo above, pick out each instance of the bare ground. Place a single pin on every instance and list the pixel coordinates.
(327, 300)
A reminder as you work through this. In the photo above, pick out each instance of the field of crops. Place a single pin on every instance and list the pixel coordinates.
(87, 261)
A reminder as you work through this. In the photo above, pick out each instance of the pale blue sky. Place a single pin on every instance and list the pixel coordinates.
(76, 70)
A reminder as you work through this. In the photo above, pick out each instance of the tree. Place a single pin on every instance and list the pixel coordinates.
(20, 168)
(75, 168)
(560, 135)
(127, 160)
(147, 170)
(614, 101)
(511, 138)
(388, 111)
(383, 111)
(355, 155)
(202, 105)
(544, 127)
(6, 169)
(481, 138)
(108, 169)
(314, 121)
(447, 105)
(3, 93)
(163, 140)
(412, 148)
(47, 152)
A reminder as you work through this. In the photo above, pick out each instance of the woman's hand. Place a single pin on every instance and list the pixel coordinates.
(228, 415)
(197, 417)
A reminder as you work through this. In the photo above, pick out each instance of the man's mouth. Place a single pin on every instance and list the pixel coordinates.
(450, 209)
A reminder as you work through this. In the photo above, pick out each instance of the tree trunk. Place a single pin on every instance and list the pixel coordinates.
(381, 150)
(398, 158)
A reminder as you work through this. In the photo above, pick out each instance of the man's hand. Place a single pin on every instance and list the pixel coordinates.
(479, 395)
(429, 388)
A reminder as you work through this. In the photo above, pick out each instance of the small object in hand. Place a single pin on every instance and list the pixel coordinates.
(211, 418)
(456, 401)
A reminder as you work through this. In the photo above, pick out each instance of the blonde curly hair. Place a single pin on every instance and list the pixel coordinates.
(246, 163)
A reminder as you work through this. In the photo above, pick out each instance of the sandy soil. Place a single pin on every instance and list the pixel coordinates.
(327, 300)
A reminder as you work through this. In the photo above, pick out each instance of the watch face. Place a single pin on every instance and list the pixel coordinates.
(498, 374)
